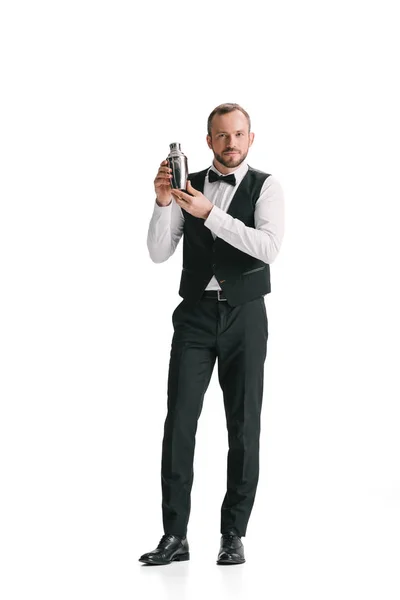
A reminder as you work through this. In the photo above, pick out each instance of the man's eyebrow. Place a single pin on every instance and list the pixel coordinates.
(237, 131)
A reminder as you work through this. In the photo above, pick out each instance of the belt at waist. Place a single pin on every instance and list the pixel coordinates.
(213, 295)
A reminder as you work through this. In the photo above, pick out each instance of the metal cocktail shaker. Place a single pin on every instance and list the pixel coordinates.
(177, 161)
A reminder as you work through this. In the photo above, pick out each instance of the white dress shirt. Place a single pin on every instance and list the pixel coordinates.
(262, 241)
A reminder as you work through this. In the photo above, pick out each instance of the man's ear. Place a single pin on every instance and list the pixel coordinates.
(208, 138)
(251, 138)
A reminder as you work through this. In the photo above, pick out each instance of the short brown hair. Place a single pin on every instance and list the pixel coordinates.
(223, 109)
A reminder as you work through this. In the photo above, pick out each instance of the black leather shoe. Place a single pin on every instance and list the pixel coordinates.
(171, 547)
(231, 551)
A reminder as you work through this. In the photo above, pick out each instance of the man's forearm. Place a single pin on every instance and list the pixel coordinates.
(165, 231)
(262, 241)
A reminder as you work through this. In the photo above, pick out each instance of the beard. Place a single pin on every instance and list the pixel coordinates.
(230, 161)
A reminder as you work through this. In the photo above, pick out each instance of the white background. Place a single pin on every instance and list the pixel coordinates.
(92, 95)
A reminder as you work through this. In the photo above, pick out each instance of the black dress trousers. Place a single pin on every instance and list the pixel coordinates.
(238, 337)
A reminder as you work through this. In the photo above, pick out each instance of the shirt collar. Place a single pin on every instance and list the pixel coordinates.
(239, 173)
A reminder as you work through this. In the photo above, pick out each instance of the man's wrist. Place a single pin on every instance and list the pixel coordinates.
(160, 204)
(208, 212)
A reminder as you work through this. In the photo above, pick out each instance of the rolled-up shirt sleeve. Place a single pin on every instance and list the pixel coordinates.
(165, 231)
(262, 241)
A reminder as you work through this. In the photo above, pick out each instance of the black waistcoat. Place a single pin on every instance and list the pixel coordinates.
(241, 276)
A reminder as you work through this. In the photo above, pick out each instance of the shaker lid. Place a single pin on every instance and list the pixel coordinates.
(175, 146)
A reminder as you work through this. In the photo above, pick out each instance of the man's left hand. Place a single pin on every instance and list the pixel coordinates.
(197, 204)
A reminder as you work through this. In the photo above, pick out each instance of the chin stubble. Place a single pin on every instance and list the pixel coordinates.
(223, 161)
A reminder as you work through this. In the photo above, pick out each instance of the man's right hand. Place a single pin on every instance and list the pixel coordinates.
(162, 184)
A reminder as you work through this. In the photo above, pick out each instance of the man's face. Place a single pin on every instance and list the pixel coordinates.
(230, 140)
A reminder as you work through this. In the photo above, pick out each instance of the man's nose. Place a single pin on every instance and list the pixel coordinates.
(230, 141)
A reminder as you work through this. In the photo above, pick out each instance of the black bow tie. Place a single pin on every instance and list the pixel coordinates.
(213, 176)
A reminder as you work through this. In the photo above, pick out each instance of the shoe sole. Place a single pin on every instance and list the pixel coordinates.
(230, 562)
(177, 557)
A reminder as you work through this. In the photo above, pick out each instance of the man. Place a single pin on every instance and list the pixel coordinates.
(231, 219)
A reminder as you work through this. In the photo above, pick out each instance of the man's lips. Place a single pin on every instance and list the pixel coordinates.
(231, 152)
